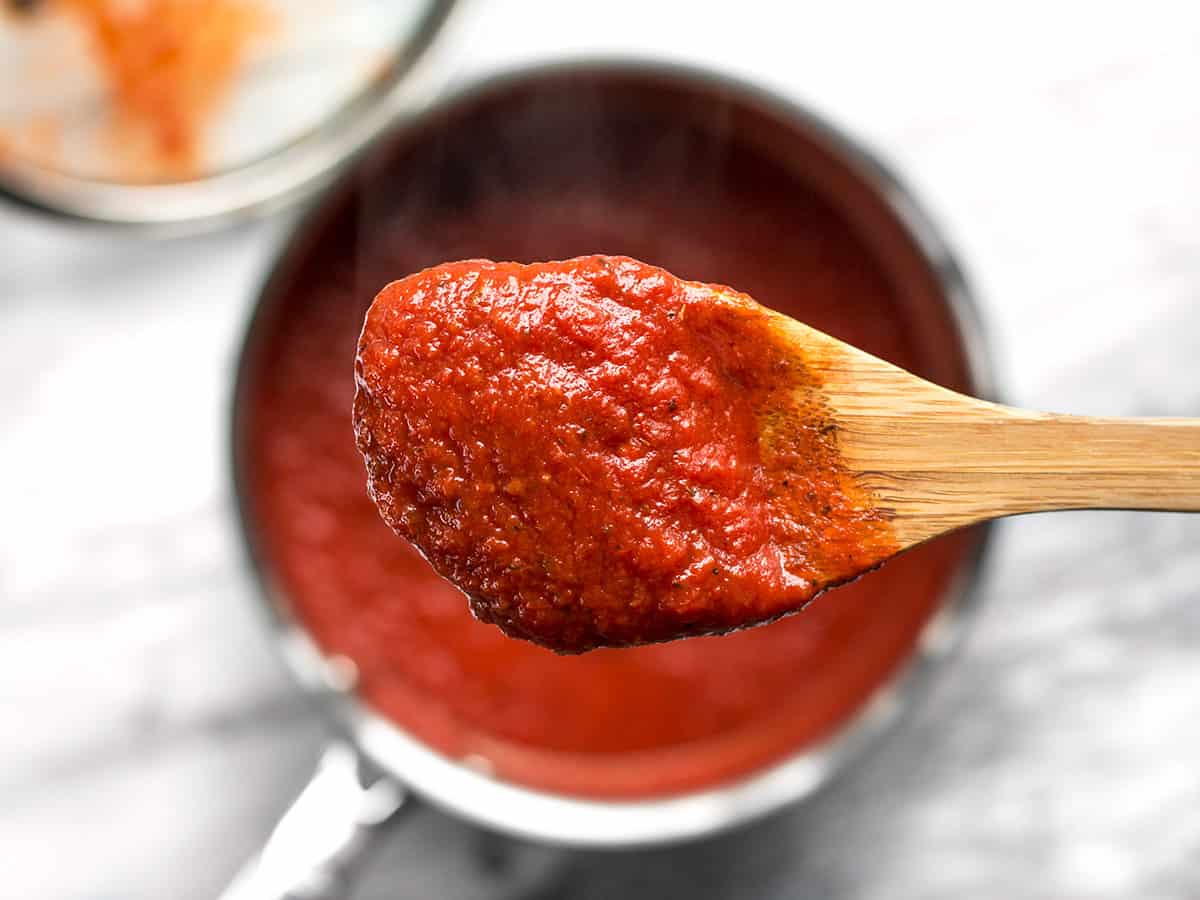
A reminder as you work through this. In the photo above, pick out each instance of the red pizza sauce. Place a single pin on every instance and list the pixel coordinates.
(600, 454)
(572, 168)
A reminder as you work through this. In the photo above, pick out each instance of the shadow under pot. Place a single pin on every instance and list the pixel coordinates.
(715, 181)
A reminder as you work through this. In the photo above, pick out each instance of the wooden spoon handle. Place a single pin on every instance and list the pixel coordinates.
(942, 472)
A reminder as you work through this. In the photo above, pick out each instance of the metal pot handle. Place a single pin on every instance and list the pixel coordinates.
(315, 849)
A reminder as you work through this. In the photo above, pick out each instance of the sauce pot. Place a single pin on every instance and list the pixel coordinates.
(368, 775)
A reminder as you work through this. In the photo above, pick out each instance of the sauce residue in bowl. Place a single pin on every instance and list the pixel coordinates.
(166, 67)
(601, 454)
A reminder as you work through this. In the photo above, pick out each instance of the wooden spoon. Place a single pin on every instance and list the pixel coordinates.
(936, 460)
(600, 454)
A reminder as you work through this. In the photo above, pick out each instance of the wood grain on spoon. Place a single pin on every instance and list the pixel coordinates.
(601, 454)
(933, 460)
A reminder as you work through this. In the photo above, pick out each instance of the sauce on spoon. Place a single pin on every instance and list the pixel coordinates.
(601, 454)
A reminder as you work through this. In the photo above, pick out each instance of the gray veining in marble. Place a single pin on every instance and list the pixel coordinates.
(149, 737)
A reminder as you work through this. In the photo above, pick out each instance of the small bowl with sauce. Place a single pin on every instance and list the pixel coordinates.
(178, 115)
(713, 180)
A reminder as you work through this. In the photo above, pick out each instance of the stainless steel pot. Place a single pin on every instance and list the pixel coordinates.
(365, 778)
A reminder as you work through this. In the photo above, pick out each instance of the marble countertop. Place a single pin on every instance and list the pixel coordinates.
(150, 737)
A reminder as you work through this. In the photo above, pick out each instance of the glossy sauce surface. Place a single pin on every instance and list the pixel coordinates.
(601, 454)
(617, 723)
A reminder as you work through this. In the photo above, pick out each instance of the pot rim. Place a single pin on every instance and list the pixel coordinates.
(524, 812)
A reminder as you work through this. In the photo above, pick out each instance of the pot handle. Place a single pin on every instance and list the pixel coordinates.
(314, 851)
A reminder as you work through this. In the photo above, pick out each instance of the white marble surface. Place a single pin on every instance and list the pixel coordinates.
(149, 736)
